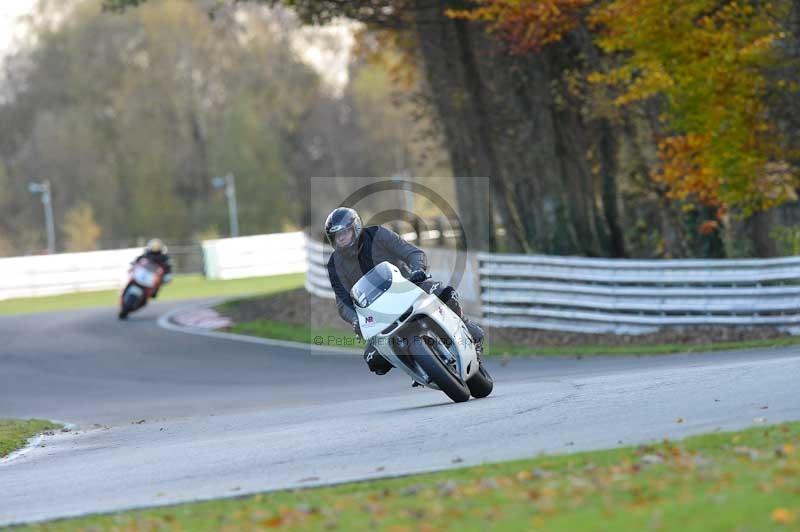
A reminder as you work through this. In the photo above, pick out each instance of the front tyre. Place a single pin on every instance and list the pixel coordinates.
(438, 372)
(130, 301)
(481, 384)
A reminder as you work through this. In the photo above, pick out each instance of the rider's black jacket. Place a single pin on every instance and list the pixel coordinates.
(162, 259)
(376, 244)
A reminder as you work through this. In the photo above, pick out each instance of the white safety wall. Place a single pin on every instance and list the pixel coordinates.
(254, 256)
(62, 273)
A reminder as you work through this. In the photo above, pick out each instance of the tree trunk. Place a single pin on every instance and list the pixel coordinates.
(760, 225)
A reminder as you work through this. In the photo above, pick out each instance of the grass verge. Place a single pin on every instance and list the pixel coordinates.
(298, 333)
(14, 433)
(747, 480)
(335, 337)
(182, 287)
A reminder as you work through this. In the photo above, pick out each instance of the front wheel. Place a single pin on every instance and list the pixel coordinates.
(130, 301)
(438, 372)
(481, 384)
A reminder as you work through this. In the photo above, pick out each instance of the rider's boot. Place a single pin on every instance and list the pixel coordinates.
(376, 363)
(474, 329)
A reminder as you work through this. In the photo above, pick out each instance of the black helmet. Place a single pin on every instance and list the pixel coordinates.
(343, 221)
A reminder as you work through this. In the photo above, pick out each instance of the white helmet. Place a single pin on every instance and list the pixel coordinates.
(155, 245)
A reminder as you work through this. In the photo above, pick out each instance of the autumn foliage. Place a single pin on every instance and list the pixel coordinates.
(527, 25)
(707, 60)
(703, 62)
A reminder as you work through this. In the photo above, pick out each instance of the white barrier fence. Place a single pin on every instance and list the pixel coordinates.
(317, 255)
(230, 258)
(637, 296)
(254, 256)
(42, 275)
(617, 296)
(527, 291)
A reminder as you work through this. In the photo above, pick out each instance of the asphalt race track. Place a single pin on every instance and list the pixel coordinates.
(164, 417)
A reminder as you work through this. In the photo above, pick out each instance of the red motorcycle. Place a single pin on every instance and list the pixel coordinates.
(145, 277)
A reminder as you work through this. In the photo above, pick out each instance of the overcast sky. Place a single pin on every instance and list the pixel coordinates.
(10, 11)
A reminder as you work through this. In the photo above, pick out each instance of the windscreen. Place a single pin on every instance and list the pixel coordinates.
(370, 287)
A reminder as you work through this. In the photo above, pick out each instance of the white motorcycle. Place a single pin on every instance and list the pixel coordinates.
(418, 333)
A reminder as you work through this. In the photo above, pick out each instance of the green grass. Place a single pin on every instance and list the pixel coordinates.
(748, 480)
(182, 287)
(335, 337)
(14, 433)
(637, 349)
(297, 333)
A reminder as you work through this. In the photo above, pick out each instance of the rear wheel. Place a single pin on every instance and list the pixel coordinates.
(438, 370)
(481, 384)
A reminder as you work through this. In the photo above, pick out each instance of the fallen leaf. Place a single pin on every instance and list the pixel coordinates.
(783, 516)
(523, 476)
(272, 522)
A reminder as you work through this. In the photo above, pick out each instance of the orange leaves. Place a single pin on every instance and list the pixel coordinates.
(706, 59)
(708, 227)
(685, 168)
(783, 516)
(526, 25)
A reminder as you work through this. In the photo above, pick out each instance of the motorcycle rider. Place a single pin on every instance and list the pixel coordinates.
(356, 250)
(156, 251)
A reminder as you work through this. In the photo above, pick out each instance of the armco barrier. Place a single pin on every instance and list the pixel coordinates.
(636, 296)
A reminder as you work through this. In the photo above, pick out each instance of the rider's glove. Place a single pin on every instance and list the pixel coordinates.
(417, 276)
(357, 329)
(167, 278)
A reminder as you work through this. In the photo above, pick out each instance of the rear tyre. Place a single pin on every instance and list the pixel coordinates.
(438, 372)
(481, 384)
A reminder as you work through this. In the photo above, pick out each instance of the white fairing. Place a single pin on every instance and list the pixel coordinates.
(144, 277)
(393, 303)
(135, 290)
